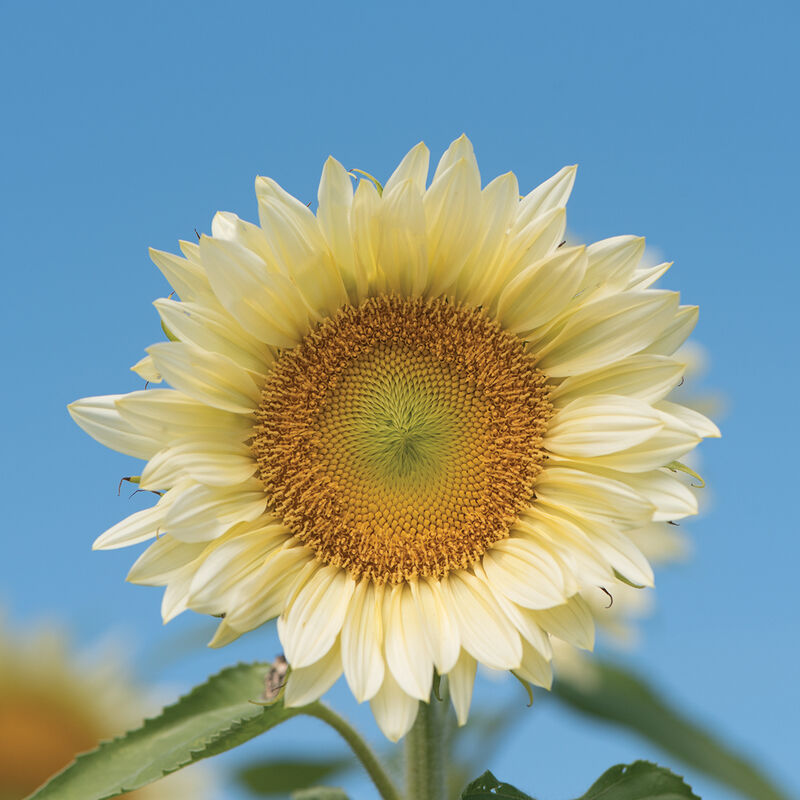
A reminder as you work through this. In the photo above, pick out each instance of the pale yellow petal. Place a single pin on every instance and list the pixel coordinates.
(208, 377)
(362, 640)
(311, 624)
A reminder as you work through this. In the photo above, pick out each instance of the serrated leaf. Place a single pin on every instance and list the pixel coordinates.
(282, 776)
(618, 695)
(639, 781)
(321, 793)
(212, 718)
(487, 787)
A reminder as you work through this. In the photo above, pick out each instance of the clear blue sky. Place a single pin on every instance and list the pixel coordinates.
(129, 124)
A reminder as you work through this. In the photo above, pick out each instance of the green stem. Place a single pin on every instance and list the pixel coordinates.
(425, 744)
(361, 749)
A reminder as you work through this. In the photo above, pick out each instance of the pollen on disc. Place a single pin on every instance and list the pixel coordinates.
(402, 437)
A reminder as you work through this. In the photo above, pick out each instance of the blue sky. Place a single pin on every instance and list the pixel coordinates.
(129, 125)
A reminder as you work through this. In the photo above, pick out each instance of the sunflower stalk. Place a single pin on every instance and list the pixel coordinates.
(360, 748)
(425, 751)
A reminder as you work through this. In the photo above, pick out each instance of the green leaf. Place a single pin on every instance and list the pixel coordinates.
(212, 718)
(282, 776)
(487, 787)
(618, 695)
(321, 793)
(639, 781)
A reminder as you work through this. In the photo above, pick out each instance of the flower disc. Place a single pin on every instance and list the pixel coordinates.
(402, 437)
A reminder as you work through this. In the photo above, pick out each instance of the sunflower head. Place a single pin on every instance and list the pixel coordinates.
(414, 426)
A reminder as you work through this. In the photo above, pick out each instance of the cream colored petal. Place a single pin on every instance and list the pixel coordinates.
(439, 627)
(176, 594)
(335, 198)
(485, 631)
(224, 635)
(459, 149)
(534, 668)
(362, 640)
(163, 558)
(646, 377)
(452, 208)
(262, 300)
(233, 561)
(524, 621)
(402, 252)
(662, 543)
(208, 377)
(202, 513)
(289, 225)
(539, 239)
(545, 526)
(620, 551)
(670, 444)
(215, 332)
(499, 201)
(461, 679)
(299, 247)
(146, 370)
(407, 654)
(698, 422)
(612, 262)
(394, 710)
(212, 461)
(672, 499)
(229, 227)
(413, 167)
(539, 292)
(645, 278)
(572, 622)
(307, 684)
(265, 593)
(551, 194)
(524, 573)
(187, 277)
(607, 330)
(190, 250)
(364, 224)
(592, 496)
(600, 424)
(675, 332)
(310, 626)
(168, 416)
(99, 417)
(138, 527)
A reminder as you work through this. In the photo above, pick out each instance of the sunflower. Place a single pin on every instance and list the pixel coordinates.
(413, 426)
(55, 704)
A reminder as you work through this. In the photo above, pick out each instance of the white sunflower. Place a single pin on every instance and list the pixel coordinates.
(55, 704)
(412, 426)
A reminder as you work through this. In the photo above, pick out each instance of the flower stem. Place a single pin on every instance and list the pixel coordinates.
(361, 749)
(425, 744)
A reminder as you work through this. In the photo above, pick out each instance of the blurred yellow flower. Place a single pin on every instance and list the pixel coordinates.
(413, 426)
(55, 704)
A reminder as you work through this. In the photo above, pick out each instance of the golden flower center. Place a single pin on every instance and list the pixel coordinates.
(401, 437)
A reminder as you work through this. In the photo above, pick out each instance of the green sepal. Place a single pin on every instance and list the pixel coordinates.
(677, 466)
(375, 181)
(528, 688)
(620, 577)
(168, 333)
